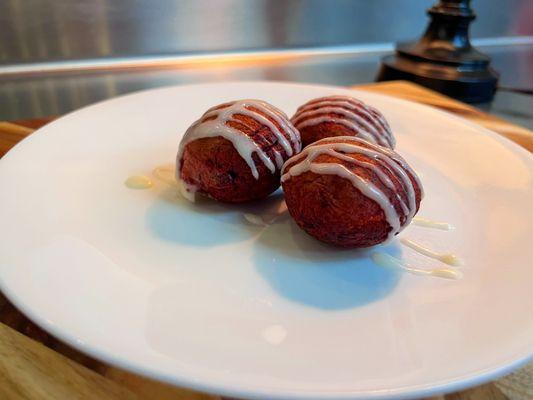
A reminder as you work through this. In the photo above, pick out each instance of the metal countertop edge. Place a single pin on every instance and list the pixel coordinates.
(219, 58)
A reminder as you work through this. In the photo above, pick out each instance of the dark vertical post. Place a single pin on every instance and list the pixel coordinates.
(443, 59)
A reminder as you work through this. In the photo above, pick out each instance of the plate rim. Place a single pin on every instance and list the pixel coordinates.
(261, 393)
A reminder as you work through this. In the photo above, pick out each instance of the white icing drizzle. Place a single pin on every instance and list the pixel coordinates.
(446, 258)
(266, 218)
(255, 219)
(428, 223)
(279, 159)
(245, 145)
(188, 192)
(386, 158)
(138, 182)
(165, 173)
(386, 260)
(363, 119)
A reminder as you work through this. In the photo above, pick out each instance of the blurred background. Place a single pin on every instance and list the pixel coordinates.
(59, 55)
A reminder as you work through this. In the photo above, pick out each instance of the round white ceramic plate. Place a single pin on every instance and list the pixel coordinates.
(194, 295)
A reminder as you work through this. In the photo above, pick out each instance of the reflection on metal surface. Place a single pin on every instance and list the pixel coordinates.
(263, 57)
(54, 30)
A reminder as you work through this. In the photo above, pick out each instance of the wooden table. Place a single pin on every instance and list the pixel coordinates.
(35, 366)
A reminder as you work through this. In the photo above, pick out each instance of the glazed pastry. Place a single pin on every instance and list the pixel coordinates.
(348, 192)
(235, 151)
(341, 116)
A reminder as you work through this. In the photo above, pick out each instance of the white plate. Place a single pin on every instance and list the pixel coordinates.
(195, 296)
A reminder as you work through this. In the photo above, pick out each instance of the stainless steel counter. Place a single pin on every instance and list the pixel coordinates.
(43, 30)
(35, 95)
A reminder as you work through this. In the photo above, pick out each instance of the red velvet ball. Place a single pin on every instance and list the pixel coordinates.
(235, 152)
(324, 201)
(341, 116)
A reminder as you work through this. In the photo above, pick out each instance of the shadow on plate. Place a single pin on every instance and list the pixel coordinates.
(308, 272)
(204, 223)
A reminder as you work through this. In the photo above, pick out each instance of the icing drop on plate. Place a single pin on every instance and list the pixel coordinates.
(386, 260)
(446, 258)
(268, 217)
(138, 182)
(166, 173)
(254, 219)
(428, 223)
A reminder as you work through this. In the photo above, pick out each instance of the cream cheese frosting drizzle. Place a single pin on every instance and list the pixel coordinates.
(428, 223)
(266, 218)
(166, 173)
(386, 260)
(446, 258)
(138, 182)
